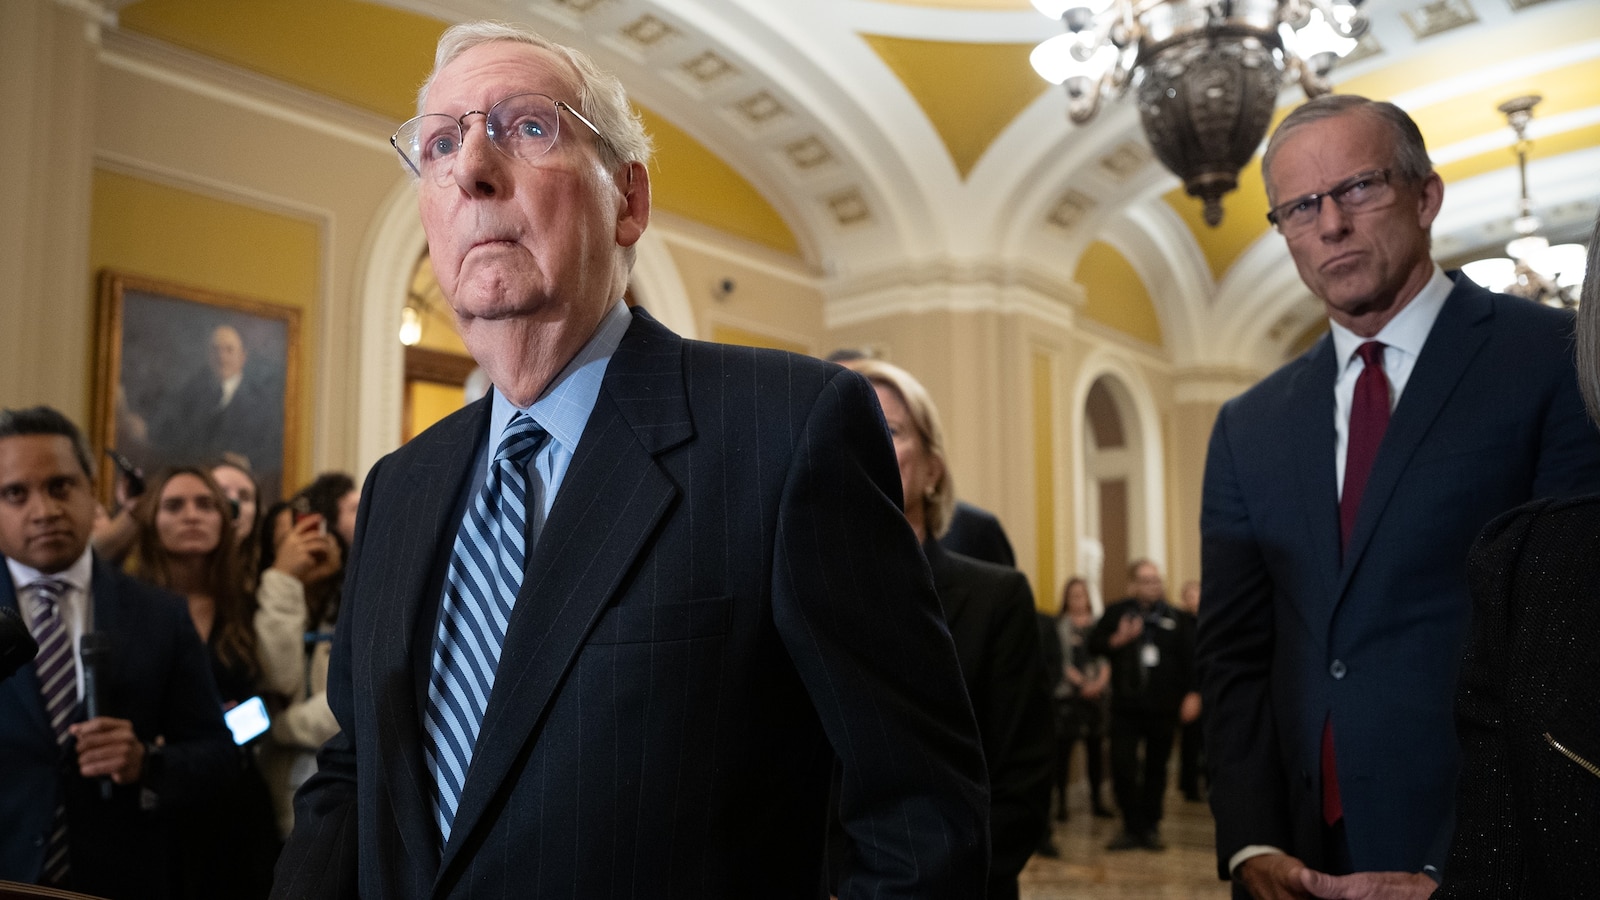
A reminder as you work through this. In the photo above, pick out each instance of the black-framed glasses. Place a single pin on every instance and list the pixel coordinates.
(522, 126)
(1360, 191)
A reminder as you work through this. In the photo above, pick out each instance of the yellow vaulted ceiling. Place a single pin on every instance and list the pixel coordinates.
(970, 92)
(1114, 294)
(375, 57)
(691, 181)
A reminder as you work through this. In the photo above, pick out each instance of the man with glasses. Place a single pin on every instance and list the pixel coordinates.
(605, 631)
(1341, 496)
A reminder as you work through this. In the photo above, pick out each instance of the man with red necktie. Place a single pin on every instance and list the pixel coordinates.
(1341, 496)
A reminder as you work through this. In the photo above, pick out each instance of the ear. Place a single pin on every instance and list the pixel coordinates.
(935, 470)
(1430, 199)
(633, 207)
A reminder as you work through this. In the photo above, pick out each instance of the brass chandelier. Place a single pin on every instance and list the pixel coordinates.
(1531, 268)
(1208, 73)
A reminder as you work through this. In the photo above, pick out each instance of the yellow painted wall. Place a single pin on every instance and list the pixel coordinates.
(431, 402)
(1115, 295)
(142, 228)
(728, 334)
(367, 54)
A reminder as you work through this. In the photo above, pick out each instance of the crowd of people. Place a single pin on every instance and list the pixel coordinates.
(206, 806)
(662, 618)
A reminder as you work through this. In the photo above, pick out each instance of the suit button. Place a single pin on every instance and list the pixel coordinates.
(1337, 670)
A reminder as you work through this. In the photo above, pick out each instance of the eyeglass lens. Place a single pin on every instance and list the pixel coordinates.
(1352, 194)
(523, 126)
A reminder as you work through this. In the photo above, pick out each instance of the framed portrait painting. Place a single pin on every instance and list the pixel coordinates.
(186, 376)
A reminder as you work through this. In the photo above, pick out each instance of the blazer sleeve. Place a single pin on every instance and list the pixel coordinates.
(280, 633)
(854, 605)
(1018, 727)
(1234, 659)
(319, 861)
(1486, 854)
(198, 756)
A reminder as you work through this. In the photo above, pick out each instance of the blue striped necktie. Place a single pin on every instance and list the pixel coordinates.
(480, 589)
(58, 688)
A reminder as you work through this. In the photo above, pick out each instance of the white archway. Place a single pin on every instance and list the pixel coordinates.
(1147, 535)
(384, 272)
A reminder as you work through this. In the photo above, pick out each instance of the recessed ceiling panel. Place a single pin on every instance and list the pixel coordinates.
(970, 92)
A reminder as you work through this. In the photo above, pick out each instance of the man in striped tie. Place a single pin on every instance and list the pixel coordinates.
(606, 630)
(84, 802)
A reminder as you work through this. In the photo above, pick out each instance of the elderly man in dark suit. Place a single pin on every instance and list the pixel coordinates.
(605, 629)
(1341, 496)
(85, 801)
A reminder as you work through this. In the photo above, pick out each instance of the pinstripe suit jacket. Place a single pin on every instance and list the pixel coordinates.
(725, 593)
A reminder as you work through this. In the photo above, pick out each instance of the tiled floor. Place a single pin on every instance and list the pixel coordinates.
(1187, 870)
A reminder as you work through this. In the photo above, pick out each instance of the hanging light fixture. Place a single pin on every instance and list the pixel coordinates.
(1535, 270)
(1209, 72)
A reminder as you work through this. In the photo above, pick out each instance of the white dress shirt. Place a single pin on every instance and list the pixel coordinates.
(1402, 341)
(76, 610)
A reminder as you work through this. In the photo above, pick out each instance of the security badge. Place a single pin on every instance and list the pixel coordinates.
(1149, 653)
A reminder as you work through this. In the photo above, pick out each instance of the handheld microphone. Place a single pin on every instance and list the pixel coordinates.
(17, 646)
(94, 649)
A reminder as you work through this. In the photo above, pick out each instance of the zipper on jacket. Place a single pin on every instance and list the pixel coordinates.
(1589, 767)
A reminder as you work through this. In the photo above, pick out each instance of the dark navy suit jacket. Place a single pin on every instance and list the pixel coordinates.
(1290, 633)
(725, 593)
(159, 678)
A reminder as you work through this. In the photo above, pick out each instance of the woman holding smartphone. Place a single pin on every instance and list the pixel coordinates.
(227, 846)
(303, 545)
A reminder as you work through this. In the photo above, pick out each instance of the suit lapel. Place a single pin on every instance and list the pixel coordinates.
(1309, 414)
(612, 499)
(1457, 335)
(423, 524)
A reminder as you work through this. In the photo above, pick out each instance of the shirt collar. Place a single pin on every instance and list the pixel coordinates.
(1409, 328)
(563, 409)
(77, 575)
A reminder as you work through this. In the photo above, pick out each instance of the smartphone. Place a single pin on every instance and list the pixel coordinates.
(132, 477)
(300, 508)
(248, 720)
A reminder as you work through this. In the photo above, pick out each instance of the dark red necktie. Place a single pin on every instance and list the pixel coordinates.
(1369, 418)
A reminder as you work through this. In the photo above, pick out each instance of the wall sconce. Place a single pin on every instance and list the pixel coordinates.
(410, 324)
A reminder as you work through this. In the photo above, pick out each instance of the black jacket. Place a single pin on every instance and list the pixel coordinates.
(1146, 681)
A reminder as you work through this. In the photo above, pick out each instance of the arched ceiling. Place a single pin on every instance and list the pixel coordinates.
(865, 137)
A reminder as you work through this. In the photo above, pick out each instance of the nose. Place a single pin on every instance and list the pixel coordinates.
(479, 169)
(42, 507)
(1332, 221)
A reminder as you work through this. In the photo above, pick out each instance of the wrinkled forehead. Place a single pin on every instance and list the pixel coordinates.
(1316, 156)
(483, 75)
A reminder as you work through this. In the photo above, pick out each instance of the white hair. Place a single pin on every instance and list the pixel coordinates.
(601, 97)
